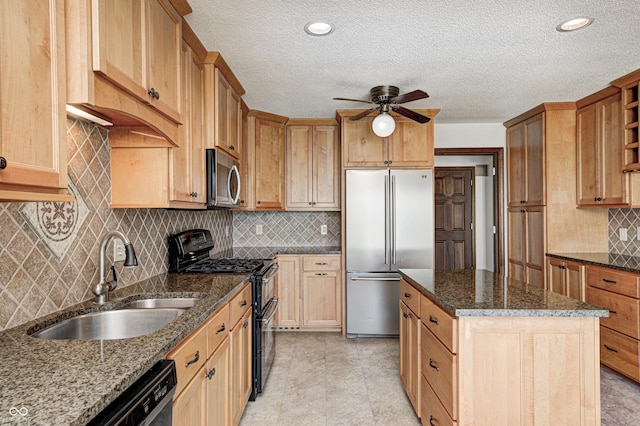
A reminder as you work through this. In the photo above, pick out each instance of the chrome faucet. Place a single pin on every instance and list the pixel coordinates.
(102, 289)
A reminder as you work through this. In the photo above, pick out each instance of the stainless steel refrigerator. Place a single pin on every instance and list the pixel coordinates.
(389, 225)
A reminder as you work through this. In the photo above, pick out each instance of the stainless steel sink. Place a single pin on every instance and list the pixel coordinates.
(158, 303)
(110, 325)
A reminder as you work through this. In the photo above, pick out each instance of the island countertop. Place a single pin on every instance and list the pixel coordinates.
(68, 382)
(476, 292)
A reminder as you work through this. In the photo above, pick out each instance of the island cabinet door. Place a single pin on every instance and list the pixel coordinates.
(529, 371)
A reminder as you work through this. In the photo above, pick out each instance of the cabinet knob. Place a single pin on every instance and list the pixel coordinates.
(3, 163)
(153, 93)
(193, 194)
(241, 201)
(386, 162)
(522, 201)
(310, 203)
(523, 211)
(231, 147)
(258, 202)
(211, 373)
(598, 199)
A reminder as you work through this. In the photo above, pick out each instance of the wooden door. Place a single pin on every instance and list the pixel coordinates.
(362, 147)
(299, 167)
(288, 291)
(516, 243)
(516, 165)
(269, 164)
(217, 387)
(534, 155)
(574, 281)
(321, 299)
(454, 197)
(535, 244)
(326, 168)
(588, 170)
(612, 186)
(556, 275)
(411, 144)
(163, 40)
(189, 408)
(33, 94)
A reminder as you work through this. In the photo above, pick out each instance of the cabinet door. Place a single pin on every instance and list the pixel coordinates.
(410, 355)
(180, 157)
(326, 167)
(515, 165)
(535, 246)
(411, 145)
(534, 156)
(611, 150)
(299, 167)
(240, 338)
(555, 275)
(33, 94)
(269, 165)
(288, 291)
(516, 243)
(234, 135)
(362, 147)
(217, 387)
(574, 281)
(322, 301)
(588, 190)
(189, 408)
(197, 143)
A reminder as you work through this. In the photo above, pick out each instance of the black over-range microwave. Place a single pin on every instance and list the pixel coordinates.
(223, 180)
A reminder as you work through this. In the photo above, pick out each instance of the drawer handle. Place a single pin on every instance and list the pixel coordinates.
(246, 324)
(613, 312)
(221, 329)
(433, 320)
(322, 263)
(196, 358)
(211, 373)
(324, 274)
(244, 303)
(608, 281)
(407, 295)
(432, 365)
(431, 421)
(611, 349)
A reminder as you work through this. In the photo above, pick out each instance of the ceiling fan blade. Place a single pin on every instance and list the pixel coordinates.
(411, 114)
(352, 100)
(362, 114)
(411, 96)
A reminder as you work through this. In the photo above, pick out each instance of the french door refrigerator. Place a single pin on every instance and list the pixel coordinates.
(389, 225)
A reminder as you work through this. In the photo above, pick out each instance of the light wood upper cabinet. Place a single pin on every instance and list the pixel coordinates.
(601, 181)
(266, 160)
(33, 147)
(136, 45)
(410, 145)
(312, 166)
(227, 118)
(525, 160)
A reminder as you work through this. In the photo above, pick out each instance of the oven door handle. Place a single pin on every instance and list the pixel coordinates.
(271, 273)
(272, 308)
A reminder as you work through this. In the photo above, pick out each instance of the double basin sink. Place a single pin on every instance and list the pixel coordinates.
(133, 319)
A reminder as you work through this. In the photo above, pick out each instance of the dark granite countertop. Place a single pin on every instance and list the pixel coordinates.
(621, 262)
(476, 292)
(270, 252)
(68, 382)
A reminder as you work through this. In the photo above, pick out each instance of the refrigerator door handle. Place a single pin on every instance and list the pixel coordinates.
(374, 279)
(386, 220)
(393, 219)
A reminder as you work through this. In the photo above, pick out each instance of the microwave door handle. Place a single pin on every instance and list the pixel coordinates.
(233, 170)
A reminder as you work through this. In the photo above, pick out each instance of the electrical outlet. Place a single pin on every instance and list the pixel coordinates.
(623, 234)
(323, 229)
(118, 250)
(258, 229)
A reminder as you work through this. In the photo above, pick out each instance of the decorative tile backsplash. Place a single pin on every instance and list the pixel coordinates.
(39, 276)
(629, 219)
(285, 229)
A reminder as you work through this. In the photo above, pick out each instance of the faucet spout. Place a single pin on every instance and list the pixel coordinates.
(102, 289)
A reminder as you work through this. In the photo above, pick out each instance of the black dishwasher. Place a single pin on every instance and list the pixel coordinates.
(147, 402)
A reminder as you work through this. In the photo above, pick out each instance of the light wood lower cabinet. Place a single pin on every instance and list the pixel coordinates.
(240, 337)
(566, 277)
(310, 291)
(410, 355)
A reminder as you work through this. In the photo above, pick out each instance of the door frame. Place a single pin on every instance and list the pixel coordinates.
(498, 196)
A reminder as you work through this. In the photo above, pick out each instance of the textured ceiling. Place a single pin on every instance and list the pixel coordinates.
(480, 61)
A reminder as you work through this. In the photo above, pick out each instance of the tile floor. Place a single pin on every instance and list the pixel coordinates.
(325, 379)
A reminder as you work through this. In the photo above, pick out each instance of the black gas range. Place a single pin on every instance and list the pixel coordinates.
(189, 253)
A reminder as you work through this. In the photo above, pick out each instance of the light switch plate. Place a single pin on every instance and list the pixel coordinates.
(623, 234)
(118, 250)
(258, 229)
(323, 229)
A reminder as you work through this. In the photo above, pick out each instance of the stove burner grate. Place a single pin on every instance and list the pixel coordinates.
(225, 265)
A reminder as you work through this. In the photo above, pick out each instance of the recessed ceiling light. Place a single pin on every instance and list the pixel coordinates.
(574, 24)
(318, 28)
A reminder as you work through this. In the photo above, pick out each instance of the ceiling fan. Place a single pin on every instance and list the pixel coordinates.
(389, 98)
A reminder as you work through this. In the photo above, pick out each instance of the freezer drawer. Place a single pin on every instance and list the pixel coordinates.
(372, 304)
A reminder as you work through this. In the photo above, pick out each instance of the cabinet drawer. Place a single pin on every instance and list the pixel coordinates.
(439, 367)
(239, 304)
(432, 412)
(218, 327)
(321, 263)
(190, 355)
(623, 311)
(616, 281)
(619, 352)
(443, 325)
(410, 296)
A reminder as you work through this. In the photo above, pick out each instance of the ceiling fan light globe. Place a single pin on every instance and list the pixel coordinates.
(383, 125)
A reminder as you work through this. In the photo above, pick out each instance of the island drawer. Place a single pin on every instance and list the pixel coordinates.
(218, 327)
(441, 324)
(239, 304)
(190, 355)
(433, 413)
(410, 296)
(620, 352)
(321, 263)
(439, 367)
(623, 311)
(620, 282)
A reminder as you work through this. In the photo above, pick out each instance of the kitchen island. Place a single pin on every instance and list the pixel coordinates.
(489, 350)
